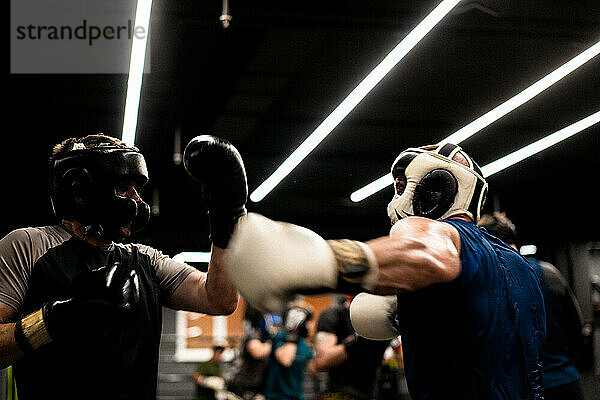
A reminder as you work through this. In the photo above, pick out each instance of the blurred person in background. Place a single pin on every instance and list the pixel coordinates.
(351, 362)
(249, 370)
(565, 327)
(208, 377)
(291, 355)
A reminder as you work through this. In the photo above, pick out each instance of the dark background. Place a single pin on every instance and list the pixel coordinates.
(282, 66)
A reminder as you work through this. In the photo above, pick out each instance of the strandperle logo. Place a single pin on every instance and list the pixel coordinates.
(75, 36)
(84, 31)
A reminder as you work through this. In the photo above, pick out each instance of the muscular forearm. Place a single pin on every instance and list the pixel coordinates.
(414, 256)
(221, 292)
(9, 351)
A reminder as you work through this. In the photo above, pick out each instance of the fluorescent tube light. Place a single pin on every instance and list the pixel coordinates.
(528, 249)
(192, 256)
(500, 164)
(136, 72)
(542, 144)
(372, 188)
(521, 98)
(352, 100)
(493, 115)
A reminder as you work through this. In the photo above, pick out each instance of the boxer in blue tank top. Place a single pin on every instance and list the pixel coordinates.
(480, 336)
(468, 307)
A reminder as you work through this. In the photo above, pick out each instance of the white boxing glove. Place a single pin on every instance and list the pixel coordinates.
(374, 317)
(270, 261)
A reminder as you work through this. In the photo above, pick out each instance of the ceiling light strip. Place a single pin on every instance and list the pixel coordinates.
(500, 164)
(541, 145)
(372, 188)
(193, 256)
(521, 98)
(491, 116)
(136, 72)
(352, 100)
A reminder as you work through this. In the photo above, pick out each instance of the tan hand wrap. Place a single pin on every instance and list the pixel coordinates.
(356, 265)
(34, 330)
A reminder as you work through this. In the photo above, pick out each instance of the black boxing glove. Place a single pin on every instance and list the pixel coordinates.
(218, 166)
(104, 297)
(295, 323)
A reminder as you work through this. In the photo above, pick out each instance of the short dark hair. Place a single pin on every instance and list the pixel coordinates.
(87, 142)
(499, 225)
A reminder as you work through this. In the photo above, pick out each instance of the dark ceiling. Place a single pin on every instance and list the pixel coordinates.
(281, 67)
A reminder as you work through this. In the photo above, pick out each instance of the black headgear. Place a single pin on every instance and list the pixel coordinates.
(92, 174)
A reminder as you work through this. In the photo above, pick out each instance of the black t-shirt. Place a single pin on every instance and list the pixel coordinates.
(357, 375)
(99, 363)
(250, 372)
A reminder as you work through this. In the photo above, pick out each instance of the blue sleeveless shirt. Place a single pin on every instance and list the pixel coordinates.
(481, 335)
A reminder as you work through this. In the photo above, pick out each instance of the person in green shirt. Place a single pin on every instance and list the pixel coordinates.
(208, 375)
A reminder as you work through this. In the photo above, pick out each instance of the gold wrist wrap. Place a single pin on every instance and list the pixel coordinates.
(34, 330)
(356, 265)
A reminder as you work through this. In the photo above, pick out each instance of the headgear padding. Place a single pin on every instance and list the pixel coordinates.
(437, 187)
(91, 174)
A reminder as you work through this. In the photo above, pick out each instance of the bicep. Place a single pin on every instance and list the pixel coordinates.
(182, 286)
(418, 253)
(16, 260)
(191, 294)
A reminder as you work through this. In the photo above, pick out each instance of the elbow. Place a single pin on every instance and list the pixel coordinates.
(228, 307)
(225, 306)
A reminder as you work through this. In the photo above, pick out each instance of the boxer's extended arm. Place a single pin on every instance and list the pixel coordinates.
(269, 261)
(217, 165)
(9, 350)
(208, 293)
(418, 252)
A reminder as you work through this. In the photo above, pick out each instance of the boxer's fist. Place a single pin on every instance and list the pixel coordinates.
(108, 295)
(219, 168)
(269, 261)
(374, 317)
(104, 297)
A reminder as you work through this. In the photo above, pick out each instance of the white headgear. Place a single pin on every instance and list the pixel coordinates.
(436, 186)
